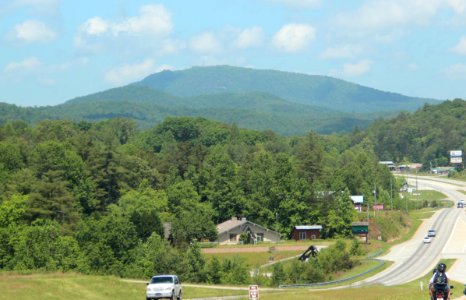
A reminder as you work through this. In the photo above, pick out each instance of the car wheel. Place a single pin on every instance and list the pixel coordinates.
(172, 296)
(179, 296)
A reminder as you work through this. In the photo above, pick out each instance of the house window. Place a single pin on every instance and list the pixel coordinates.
(259, 237)
(302, 235)
(232, 237)
(313, 237)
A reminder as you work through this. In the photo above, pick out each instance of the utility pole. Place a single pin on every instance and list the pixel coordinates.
(391, 193)
(375, 196)
(417, 190)
(368, 211)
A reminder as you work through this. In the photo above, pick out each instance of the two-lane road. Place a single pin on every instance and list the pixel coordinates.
(413, 259)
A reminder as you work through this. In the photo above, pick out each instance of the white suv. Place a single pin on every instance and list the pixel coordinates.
(164, 286)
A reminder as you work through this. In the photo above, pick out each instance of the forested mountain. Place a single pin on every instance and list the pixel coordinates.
(286, 103)
(425, 136)
(313, 90)
(91, 197)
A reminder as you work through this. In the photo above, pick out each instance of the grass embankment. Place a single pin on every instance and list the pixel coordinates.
(408, 291)
(67, 286)
(58, 286)
(75, 286)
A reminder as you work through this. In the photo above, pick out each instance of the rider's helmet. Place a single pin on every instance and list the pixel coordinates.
(441, 267)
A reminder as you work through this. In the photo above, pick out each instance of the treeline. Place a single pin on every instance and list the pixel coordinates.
(93, 197)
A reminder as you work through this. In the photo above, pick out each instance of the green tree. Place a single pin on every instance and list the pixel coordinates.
(214, 271)
(13, 210)
(222, 188)
(278, 274)
(143, 208)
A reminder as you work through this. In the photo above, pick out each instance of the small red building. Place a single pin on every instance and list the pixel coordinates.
(306, 232)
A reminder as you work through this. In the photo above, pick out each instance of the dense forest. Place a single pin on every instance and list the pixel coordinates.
(92, 197)
(425, 136)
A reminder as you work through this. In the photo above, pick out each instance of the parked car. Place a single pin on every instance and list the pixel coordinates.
(431, 233)
(163, 286)
(460, 205)
(426, 240)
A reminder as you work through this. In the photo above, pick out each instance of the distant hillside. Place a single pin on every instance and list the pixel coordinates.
(249, 110)
(425, 136)
(287, 103)
(311, 90)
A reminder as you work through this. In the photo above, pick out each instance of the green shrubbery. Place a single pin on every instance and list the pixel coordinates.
(333, 259)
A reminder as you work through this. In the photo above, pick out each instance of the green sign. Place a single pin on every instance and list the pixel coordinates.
(360, 229)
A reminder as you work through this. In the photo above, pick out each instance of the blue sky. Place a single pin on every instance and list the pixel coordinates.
(54, 50)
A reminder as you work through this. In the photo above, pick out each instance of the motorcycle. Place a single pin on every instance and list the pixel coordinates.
(439, 290)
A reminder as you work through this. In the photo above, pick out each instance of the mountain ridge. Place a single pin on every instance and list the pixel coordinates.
(316, 90)
(257, 99)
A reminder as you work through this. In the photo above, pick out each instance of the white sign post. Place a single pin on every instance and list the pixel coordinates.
(456, 156)
(253, 292)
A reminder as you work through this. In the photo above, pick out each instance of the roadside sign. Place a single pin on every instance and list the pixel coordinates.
(253, 292)
(377, 206)
(456, 153)
(456, 160)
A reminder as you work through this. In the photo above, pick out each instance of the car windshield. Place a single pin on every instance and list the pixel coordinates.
(161, 279)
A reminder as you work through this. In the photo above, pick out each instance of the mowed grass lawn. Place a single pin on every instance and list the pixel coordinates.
(76, 286)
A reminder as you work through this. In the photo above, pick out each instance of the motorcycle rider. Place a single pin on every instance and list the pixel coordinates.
(439, 273)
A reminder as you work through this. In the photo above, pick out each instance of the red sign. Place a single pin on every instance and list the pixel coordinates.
(254, 292)
(377, 207)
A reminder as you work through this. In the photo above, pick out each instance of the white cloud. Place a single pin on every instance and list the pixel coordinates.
(377, 14)
(152, 19)
(459, 6)
(32, 31)
(205, 43)
(24, 66)
(357, 69)
(457, 71)
(250, 37)
(461, 46)
(298, 3)
(294, 37)
(343, 51)
(95, 26)
(43, 7)
(129, 73)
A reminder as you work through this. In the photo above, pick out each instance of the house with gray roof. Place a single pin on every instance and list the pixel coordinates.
(229, 232)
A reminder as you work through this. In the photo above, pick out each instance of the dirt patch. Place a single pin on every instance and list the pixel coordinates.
(254, 249)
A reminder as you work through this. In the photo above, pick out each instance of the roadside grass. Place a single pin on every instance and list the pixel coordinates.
(58, 286)
(409, 291)
(365, 266)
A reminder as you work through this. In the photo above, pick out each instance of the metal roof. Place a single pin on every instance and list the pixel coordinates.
(308, 227)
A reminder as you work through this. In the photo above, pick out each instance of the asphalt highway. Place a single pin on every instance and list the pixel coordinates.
(413, 259)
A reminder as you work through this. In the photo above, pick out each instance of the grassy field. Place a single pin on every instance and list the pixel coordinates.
(254, 260)
(83, 287)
